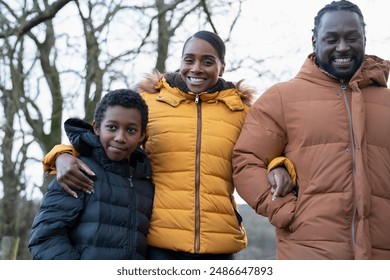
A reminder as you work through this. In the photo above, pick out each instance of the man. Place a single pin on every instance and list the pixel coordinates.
(332, 122)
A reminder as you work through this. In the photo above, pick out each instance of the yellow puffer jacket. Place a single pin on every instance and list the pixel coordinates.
(190, 139)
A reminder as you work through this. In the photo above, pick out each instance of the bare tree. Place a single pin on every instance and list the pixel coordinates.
(21, 110)
(25, 26)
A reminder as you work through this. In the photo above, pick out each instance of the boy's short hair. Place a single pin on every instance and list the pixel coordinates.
(123, 97)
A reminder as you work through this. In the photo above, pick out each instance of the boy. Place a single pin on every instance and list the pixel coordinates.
(112, 222)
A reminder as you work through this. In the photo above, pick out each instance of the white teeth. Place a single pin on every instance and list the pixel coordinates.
(195, 80)
(342, 60)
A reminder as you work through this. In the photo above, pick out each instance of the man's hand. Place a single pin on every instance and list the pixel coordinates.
(280, 181)
(73, 173)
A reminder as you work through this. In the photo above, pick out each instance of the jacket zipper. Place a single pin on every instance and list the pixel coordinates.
(344, 89)
(132, 219)
(197, 174)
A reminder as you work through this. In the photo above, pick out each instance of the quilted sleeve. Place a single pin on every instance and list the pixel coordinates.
(49, 160)
(262, 139)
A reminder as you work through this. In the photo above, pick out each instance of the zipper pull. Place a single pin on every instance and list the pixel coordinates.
(197, 99)
(131, 182)
(343, 86)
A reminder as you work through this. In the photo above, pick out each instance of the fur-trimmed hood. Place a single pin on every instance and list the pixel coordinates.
(152, 81)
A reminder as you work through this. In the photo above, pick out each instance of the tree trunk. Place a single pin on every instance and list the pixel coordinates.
(9, 247)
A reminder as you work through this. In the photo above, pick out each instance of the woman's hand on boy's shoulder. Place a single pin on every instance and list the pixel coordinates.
(73, 173)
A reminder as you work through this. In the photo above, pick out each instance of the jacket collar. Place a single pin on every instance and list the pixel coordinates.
(373, 71)
(174, 80)
(173, 91)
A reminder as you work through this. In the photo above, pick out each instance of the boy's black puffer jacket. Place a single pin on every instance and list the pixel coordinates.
(111, 223)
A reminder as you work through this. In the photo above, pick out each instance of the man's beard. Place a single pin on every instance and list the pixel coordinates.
(341, 75)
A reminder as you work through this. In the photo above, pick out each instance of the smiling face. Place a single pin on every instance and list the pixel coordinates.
(120, 132)
(200, 65)
(340, 43)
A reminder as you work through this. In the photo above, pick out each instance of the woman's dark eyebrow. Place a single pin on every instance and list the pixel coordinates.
(204, 55)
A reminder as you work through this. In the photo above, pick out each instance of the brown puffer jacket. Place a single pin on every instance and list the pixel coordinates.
(338, 138)
(190, 139)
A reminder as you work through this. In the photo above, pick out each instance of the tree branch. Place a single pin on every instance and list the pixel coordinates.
(41, 17)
